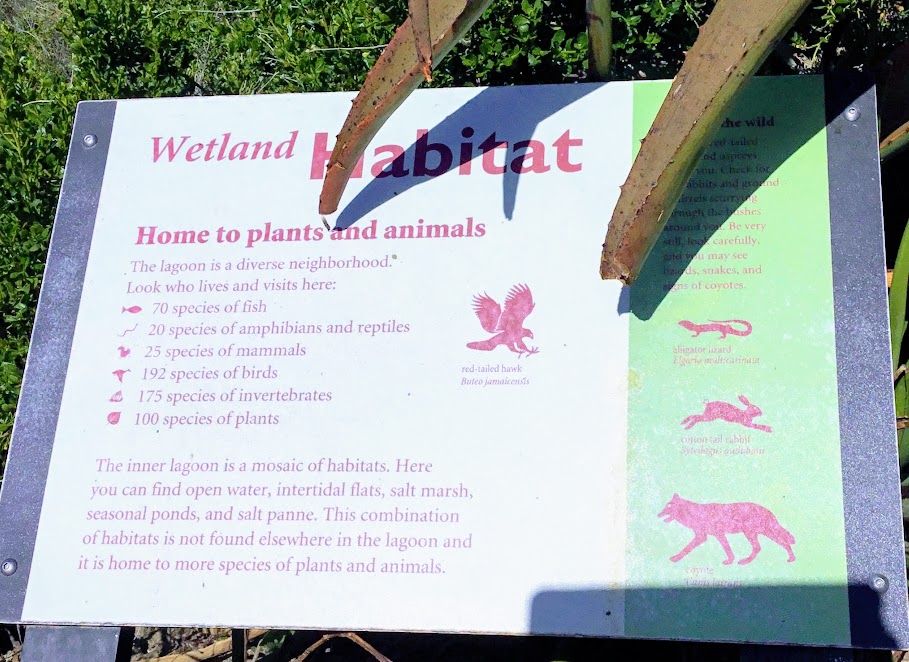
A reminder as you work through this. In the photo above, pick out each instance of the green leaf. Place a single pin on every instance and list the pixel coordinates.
(897, 298)
(895, 142)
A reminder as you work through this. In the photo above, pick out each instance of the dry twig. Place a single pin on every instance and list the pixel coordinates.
(217, 649)
(357, 639)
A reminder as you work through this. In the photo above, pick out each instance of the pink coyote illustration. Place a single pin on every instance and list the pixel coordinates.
(725, 411)
(722, 519)
(507, 323)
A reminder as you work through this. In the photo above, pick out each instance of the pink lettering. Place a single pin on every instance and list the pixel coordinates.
(146, 235)
(287, 146)
(395, 160)
(193, 151)
(238, 151)
(211, 147)
(466, 152)
(563, 145)
(536, 155)
(222, 153)
(172, 151)
(489, 147)
(265, 148)
(422, 150)
(320, 156)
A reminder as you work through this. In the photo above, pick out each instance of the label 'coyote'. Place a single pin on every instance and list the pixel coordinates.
(721, 519)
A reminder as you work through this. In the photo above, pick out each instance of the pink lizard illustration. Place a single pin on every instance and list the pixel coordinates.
(721, 519)
(723, 327)
(507, 323)
(725, 411)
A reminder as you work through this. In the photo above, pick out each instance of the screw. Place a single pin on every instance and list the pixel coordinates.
(89, 140)
(879, 583)
(8, 567)
(853, 113)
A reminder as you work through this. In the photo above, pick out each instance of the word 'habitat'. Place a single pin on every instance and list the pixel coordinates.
(498, 156)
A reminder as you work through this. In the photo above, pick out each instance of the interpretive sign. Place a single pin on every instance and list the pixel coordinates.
(429, 413)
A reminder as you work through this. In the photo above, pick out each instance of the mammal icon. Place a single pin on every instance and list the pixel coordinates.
(723, 327)
(726, 411)
(721, 519)
(124, 351)
(507, 323)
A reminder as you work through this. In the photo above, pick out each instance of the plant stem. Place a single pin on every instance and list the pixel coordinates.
(599, 38)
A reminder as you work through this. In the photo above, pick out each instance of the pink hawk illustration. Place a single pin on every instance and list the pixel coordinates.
(507, 324)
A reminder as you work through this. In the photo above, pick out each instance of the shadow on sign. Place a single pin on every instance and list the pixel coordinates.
(491, 109)
(770, 614)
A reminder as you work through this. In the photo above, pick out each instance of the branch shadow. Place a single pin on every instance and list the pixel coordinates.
(489, 106)
(679, 242)
(568, 626)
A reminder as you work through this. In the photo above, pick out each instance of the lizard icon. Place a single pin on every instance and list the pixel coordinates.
(723, 327)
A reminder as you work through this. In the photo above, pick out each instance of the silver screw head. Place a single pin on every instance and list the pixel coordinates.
(879, 583)
(853, 113)
(8, 567)
(89, 140)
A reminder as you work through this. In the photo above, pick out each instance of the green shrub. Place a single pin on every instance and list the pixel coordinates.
(36, 107)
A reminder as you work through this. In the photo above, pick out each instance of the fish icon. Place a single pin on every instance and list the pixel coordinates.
(117, 397)
(119, 374)
(132, 309)
(113, 418)
(124, 351)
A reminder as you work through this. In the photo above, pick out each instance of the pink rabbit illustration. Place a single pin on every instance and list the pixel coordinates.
(725, 411)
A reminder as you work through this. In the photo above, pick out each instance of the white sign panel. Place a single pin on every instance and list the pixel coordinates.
(428, 413)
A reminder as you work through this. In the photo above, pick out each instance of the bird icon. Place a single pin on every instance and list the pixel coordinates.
(119, 374)
(124, 351)
(507, 323)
